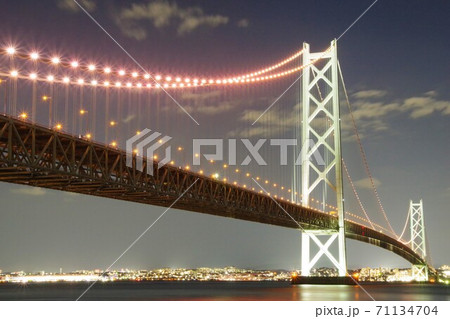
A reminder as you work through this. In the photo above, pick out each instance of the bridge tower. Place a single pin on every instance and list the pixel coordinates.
(321, 130)
(418, 242)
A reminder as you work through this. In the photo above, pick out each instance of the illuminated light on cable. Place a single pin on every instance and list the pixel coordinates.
(129, 84)
(80, 81)
(118, 84)
(50, 78)
(211, 81)
(178, 79)
(147, 76)
(14, 73)
(139, 85)
(181, 85)
(166, 85)
(107, 70)
(134, 74)
(203, 81)
(158, 86)
(121, 72)
(158, 77)
(106, 83)
(33, 76)
(168, 78)
(34, 56)
(91, 67)
(10, 50)
(149, 85)
(174, 85)
(195, 81)
(218, 81)
(74, 64)
(94, 82)
(56, 60)
(187, 80)
(66, 79)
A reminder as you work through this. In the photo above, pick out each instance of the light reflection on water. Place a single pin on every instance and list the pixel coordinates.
(221, 291)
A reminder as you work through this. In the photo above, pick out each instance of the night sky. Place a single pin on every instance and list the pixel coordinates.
(396, 67)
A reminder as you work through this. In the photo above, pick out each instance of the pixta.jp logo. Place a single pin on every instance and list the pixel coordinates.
(144, 145)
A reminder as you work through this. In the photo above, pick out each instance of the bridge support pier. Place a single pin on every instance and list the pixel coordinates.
(321, 131)
(418, 239)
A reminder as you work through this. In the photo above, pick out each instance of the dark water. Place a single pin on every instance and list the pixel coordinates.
(219, 291)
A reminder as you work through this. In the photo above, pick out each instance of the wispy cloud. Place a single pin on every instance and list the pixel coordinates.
(71, 6)
(365, 183)
(162, 14)
(28, 190)
(243, 23)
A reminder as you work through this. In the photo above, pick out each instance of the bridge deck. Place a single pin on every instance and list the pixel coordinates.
(34, 155)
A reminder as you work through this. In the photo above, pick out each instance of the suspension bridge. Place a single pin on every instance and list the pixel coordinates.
(65, 123)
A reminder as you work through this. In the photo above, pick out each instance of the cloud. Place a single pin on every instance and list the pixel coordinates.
(243, 23)
(365, 183)
(71, 6)
(213, 102)
(162, 14)
(29, 190)
(372, 110)
(368, 94)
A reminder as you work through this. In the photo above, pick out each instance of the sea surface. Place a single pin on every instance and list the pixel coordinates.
(221, 291)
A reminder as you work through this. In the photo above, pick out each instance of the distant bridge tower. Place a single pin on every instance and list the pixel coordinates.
(418, 242)
(321, 126)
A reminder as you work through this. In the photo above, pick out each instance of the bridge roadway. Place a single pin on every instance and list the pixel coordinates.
(34, 155)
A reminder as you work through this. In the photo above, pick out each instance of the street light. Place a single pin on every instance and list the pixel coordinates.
(82, 113)
(49, 99)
